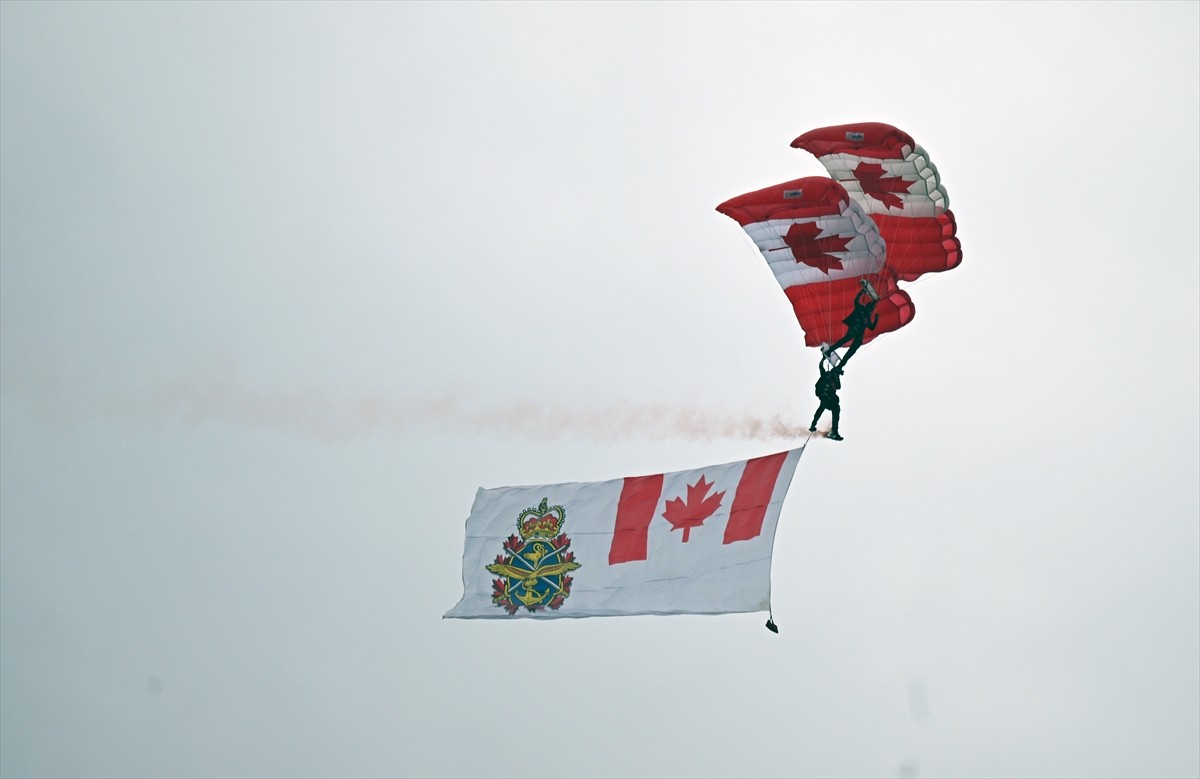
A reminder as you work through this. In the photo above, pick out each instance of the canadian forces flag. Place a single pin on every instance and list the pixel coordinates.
(688, 542)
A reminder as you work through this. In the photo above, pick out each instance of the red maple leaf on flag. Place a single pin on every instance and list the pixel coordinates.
(875, 184)
(690, 514)
(812, 251)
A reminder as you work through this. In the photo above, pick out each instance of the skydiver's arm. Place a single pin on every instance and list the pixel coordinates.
(874, 321)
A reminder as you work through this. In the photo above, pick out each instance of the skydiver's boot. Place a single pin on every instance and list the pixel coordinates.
(833, 436)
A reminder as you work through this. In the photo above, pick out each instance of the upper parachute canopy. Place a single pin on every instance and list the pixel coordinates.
(892, 178)
(881, 217)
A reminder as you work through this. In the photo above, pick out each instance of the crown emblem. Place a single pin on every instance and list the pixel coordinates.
(534, 568)
(541, 522)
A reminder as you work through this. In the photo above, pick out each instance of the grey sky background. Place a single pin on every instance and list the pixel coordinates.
(283, 284)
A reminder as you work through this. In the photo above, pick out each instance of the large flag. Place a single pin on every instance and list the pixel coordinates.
(689, 542)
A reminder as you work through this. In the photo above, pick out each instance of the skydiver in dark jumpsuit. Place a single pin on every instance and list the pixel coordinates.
(861, 319)
(827, 387)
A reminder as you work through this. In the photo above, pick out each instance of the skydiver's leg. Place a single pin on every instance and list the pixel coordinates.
(845, 339)
(858, 341)
(816, 416)
(836, 410)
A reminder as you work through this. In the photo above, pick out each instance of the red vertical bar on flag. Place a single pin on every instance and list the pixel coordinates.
(753, 495)
(635, 510)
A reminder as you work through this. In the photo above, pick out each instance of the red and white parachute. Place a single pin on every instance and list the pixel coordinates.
(882, 217)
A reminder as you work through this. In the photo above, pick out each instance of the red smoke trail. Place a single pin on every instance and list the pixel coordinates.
(330, 417)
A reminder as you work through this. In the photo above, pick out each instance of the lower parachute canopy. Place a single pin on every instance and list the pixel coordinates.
(821, 245)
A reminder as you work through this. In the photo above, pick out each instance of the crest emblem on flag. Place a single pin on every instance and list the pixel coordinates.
(534, 567)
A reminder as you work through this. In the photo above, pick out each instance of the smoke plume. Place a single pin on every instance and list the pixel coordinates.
(333, 417)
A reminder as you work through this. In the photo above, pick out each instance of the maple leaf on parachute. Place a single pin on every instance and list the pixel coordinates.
(692, 513)
(880, 186)
(808, 249)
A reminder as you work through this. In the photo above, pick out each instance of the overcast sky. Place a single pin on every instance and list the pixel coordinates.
(283, 283)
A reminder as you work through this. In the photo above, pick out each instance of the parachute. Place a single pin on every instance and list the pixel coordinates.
(881, 218)
(820, 244)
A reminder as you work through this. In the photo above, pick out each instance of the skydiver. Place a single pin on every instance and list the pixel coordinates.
(827, 387)
(861, 319)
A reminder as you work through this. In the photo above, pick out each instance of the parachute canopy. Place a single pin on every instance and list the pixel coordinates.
(819, 243)
(881, 217)
(893, 180)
